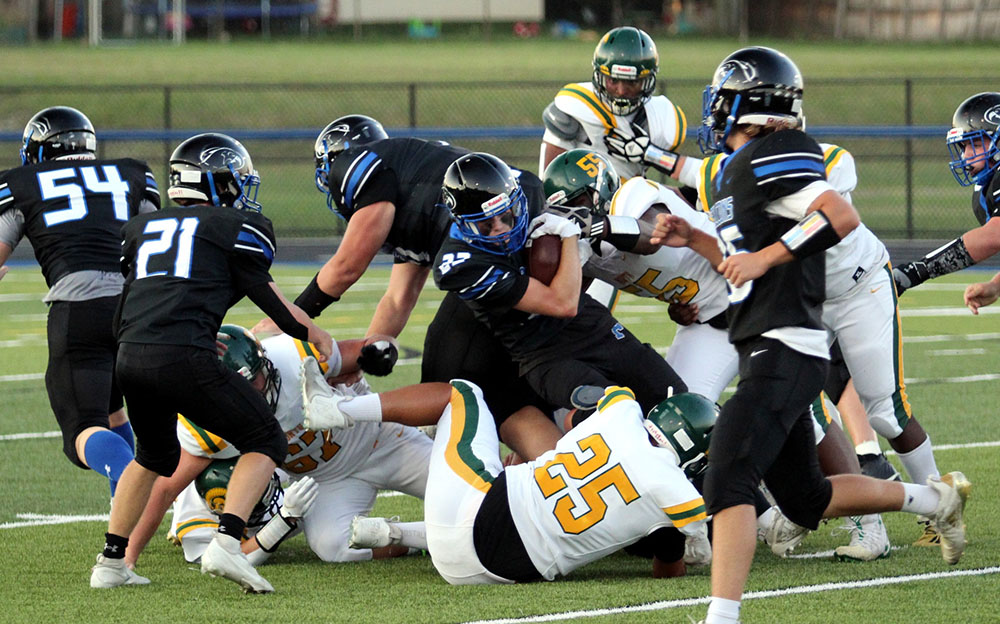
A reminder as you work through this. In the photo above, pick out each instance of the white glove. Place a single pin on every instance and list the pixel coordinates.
(632, 149)
(548, 223)
(586, 250)
(299, 498)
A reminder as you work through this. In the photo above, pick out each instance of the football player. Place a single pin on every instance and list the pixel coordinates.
(616, 113)
(389, 190)
(975, 157)
(488, 524)
(348, 466)
(776, 213)
(185, 267)
(560, 338)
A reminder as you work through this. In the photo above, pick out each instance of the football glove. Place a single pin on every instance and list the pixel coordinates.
(299, 498)
(631, 149)
(549, 223)
(909, 275)
(378, 358)
(580, 215)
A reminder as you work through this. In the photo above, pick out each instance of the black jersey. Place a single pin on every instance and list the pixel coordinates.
(986, 200)
(185, 267)
(752, 178)
(408, 173)
(74, 210)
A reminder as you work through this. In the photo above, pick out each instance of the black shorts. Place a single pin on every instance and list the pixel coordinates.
(837, 378)
(458, 346)
(498, 545)
(80, 374)
(765, 431)
(618, 359)
(160, 381)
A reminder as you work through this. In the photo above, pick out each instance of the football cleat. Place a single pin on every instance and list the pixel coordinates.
(224, 558)
(877, 466)
(929, 537)
(372, 532)
(319, 403)
(954, 489)
(869, 540)
(109, 573)
(784, 535)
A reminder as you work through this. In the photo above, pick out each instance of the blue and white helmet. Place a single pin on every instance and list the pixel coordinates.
(477, 189)
(976, 120)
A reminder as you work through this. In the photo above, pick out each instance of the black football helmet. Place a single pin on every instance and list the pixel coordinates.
(58, 132)
(751, 86)
(976, 122)
(338, 135)
(478, 188)
(214, 169)
(213, 484)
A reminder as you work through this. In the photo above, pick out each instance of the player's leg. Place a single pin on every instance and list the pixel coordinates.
(328, 526)
(704, 358)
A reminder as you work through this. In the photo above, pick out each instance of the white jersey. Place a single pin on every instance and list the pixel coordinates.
(665, 121)
(857, 255)
(671, 274)
(603, 487)
(323, 457)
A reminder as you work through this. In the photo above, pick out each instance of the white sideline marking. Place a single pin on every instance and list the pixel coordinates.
(20, 297)
(755, 595)
(951, 337)
(946, 352)
(22, 377)
(963, 311)
(30, 519)
(28, 436)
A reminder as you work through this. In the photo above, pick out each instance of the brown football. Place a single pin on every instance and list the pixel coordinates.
(543, 257)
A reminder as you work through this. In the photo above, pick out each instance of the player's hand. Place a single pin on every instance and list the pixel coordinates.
(299, 498)
(265, 329)
(323, 342)
(743, 267)
(379, 355)
(221, 338)
(683, 313)
(909, 275)
(548, 223)
(3, 271)
(630, 148)
(580, 215)
(670, 231)
(981, 294)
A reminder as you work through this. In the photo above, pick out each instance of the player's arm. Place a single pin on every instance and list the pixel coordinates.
(393, 311)
(671, 230)
(11, 232)
(561, 297)
(828, 219)
(165, 490)
(298, 500)
(982, 294)
(5, 251)
(289, 317)
(972, 247)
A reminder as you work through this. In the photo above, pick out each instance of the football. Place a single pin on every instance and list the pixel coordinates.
(543, 257)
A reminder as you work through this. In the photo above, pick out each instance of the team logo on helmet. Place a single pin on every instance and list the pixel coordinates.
(41, 126)
(221, 156)
(749, 71)
(341, 128)
(992, 115)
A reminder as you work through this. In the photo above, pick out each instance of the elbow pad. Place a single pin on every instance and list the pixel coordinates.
(811, 235)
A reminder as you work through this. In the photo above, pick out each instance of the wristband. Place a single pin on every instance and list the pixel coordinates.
(622, 232)
(313, 300)
(811, 235)
(274, 532)
(948, 259)
(661, 159)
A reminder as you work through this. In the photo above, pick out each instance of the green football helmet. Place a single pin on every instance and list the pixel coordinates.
(625, 53)
(581, 177)
(246, 356)
(683, 424)
(213, 482)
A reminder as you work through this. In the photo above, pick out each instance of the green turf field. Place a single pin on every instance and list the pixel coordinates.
(951, 360)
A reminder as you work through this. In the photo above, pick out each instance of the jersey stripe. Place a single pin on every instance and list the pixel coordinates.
(831, 157)
(788, 166)
(357, 173)
(614, 395)
(593, 103)
(681, 128)
(5, 194)
(686, 513)
(709, 168)
(305, 350)
(458, 452)
(208, 441)
(197, 523)
(900, 401)
(483, 285)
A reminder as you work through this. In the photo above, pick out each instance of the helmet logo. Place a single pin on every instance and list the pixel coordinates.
(624, 72)
(492, 204)
(345, 128)
(992, 115)
(223, 156)
(41, 125)
(749, 71)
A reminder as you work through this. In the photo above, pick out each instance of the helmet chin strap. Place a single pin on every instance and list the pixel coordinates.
(730, 120)
(211, 186)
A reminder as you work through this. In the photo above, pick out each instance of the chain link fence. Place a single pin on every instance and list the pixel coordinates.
(895, 128)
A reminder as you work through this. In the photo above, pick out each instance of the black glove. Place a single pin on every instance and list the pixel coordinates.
(580, 215)
(909, 275)
(378, 358)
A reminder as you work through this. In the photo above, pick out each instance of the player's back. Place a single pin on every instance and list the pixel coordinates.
(73, 210)
(182, 271)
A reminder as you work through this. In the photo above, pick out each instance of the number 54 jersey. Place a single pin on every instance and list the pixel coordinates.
(603, 487)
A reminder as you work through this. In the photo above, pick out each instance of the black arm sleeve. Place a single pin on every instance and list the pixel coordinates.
(267, 300)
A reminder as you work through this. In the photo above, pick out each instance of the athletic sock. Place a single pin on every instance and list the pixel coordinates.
(868, 447)
(232, 525)
(364, 408)
(107, 454)
(919, 463)
(919, 499)
(723, 611)
(124, 430)
(114, 546)
(411, 534)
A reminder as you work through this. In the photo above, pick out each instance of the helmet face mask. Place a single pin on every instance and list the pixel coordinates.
(683, 424)
(752, 86)
(581, 177)
(214, 169)
(337, 136)
(212, 485)
(976, 123)
(481, 192)
(246, 356)
(57, 132)
(625, 54)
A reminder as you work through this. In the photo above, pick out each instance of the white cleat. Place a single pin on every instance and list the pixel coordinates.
(372, 533)
(784, 535)
(319, 402)
(869, 540)
(109, 573)
(698, 549)
(224, 558)
(954, 489)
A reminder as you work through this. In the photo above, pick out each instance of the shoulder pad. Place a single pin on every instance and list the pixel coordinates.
(840, 168)
(634, 197)
(665, 122)
(579, 101)
(559, 123)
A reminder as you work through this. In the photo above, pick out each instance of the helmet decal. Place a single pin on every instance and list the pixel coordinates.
(221, 156)
(992, 115)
